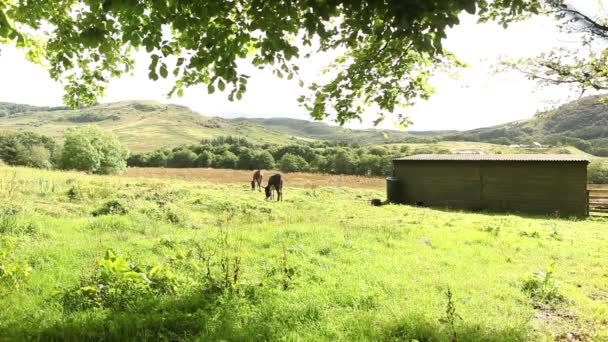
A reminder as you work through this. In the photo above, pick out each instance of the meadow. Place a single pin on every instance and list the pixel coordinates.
(129, 258)
(224, 176)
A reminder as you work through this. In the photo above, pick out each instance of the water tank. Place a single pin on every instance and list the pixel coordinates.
(393, 189)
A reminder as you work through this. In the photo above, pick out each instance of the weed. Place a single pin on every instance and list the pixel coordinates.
(74, 193)
(533, 234)
(174, 215)
(13, 272)
(288, 272)
(555, 234)
(8, 220)
(541, 288)
(450, 315)
(112, 223)
(493, 229)
(167, 242)
(112, 207)
(119, 285)
(9, 224)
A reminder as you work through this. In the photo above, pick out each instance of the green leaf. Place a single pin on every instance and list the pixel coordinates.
(221, 85)
(210, 89)
(152, 75)
(163, 71)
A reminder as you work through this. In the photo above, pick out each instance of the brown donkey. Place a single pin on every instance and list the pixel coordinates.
(257, 180)
(275, 182)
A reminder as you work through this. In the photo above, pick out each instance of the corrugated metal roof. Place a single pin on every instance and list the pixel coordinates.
(497, 157)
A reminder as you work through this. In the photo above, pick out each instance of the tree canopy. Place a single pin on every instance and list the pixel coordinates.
(89, 149)
(390, 47)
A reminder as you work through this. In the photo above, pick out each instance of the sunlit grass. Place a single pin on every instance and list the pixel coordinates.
(321, 265)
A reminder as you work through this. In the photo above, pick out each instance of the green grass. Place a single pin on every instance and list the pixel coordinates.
(322, 265)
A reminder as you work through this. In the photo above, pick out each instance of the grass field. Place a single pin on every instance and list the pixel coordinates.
(223, 176)
(117, 258)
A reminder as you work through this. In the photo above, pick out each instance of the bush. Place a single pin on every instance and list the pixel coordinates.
(13, 271)
(28, 149)
(91, 150)
(264, 161)
(346, 162)
(182, 158)
(292, 163)
(246, 159)
(112, 207)
(226, 160)
(597, 172)
(205, 159)
(542, 289)
(119, 285)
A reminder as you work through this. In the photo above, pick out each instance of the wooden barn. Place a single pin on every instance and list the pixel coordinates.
(534, 184)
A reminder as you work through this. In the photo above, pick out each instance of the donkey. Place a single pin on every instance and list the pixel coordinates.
(275, 182)
(257, 180)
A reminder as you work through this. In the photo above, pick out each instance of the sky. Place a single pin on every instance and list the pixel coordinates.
(477, 97)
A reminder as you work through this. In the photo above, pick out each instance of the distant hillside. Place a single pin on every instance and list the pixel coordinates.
(147, 125)
(582, 123)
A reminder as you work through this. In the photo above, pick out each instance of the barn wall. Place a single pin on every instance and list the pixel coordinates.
(440, 184)
(539, 187)
(530, 187)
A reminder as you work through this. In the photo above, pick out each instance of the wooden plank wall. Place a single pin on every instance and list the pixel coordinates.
(598, 198)
(535, 188)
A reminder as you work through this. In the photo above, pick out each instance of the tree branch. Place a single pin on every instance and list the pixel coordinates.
(597, 28)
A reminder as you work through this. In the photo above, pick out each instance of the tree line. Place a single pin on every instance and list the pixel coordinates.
(318, 157)
(85, 149)
(91, 150)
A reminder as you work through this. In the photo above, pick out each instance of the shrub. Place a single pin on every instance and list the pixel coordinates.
(226, 160)
(264, 161)
(182, 158)
(292, 163)
(346, 162)
(8, 220)
(246, 159)
(204, 159)
(598, 172)
(28, 149)
(74, 193)
(542, 289)
(13, 272)
(91, 150)
(112, 207)
(119, 285)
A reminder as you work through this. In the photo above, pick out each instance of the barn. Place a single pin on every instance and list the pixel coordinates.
(524, 183)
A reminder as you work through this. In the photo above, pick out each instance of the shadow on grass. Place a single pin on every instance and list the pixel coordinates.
(451, 210)
(247, 317)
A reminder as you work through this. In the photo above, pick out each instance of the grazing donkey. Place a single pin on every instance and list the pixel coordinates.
(257, 180)
(275, 182)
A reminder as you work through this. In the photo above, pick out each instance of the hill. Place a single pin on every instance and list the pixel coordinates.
(582, 123)
(147, 125)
